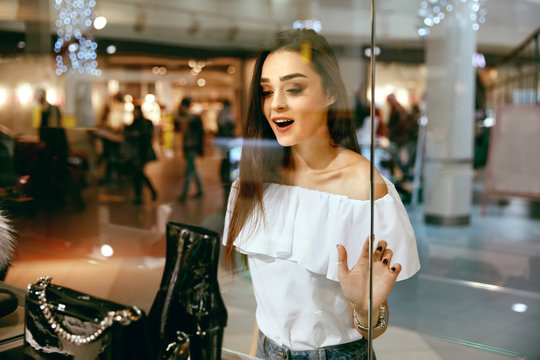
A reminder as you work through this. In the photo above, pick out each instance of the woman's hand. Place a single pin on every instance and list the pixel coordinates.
(355, 282)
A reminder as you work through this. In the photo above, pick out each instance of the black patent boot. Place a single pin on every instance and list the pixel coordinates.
(188, 313)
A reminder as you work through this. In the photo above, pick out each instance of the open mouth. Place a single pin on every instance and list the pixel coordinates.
(283, 122)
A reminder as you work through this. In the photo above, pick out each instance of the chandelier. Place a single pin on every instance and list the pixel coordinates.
(75, 47)
(433, 12)
(313, 24)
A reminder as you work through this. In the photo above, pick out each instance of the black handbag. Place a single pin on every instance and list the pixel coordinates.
(61, 323)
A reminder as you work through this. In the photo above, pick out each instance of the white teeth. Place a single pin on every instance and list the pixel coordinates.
(282, 123)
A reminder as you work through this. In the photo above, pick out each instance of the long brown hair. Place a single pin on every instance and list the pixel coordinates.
(262, 157)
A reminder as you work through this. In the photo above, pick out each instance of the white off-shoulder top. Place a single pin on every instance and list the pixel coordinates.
(292, 258)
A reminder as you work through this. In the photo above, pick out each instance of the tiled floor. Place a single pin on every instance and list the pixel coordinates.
(458, 307)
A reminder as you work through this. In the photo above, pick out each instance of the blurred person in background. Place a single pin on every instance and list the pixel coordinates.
(51, 132)
(192, 143)
(226, 120)
(361, 110)
(110, 133)
(363, 132)
(225, 138)
(402, 132)
(57, 181)
(139, 151)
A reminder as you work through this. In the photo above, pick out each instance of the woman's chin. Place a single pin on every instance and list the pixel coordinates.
(285, 142)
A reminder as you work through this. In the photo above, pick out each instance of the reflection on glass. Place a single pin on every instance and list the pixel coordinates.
(474, 125)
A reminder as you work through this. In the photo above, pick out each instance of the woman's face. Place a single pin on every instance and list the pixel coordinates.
(293, 99)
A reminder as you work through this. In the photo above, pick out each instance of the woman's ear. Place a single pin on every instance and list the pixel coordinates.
(330, 99)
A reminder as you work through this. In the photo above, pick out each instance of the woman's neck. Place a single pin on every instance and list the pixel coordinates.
(313, 163)
(316, 156)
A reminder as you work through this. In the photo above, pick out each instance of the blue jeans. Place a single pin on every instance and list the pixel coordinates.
(356, 350)
(191, 173)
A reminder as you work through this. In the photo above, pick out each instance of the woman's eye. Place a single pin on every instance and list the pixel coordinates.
(296, 90)
(266, 93)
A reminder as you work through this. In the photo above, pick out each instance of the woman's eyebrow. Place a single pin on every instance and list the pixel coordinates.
(292, 76)
(285, 77)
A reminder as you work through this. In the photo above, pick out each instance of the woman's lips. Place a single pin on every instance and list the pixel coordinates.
(282, 124)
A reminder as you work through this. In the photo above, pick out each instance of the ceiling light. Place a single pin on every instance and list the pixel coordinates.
(100, 22)
(52, 96)
(113, 86)
(313, 24)
(111, 49)
(519, 307)
(423, 32)
(107, 250)
(436, 11)
(3, 96)
(75, 48)
(24, 94)
(479, 60)
(367, 51)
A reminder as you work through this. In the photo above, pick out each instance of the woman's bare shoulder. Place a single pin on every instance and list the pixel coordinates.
(355, 182)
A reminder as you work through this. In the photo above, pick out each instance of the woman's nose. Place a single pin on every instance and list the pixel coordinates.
(279, 102)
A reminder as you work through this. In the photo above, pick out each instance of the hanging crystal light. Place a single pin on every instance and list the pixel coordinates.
(433, 12)
(313, 24)
(75, 47)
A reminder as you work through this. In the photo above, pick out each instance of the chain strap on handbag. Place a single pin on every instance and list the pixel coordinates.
(124, 317)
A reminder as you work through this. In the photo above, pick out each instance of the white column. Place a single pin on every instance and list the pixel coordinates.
(164, 94)
(78, 90)
(450, 110)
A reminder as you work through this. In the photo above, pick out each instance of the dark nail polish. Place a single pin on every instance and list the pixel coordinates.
(385, 261)
(379, 248)
(393, 269)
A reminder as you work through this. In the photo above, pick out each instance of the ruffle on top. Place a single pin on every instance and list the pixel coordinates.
(305, 226)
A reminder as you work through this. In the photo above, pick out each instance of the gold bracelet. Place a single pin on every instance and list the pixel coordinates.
(381, 322)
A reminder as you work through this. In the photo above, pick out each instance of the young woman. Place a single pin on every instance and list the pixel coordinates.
(300, 210)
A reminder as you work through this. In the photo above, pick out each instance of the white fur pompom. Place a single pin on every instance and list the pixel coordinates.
(7, 242)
